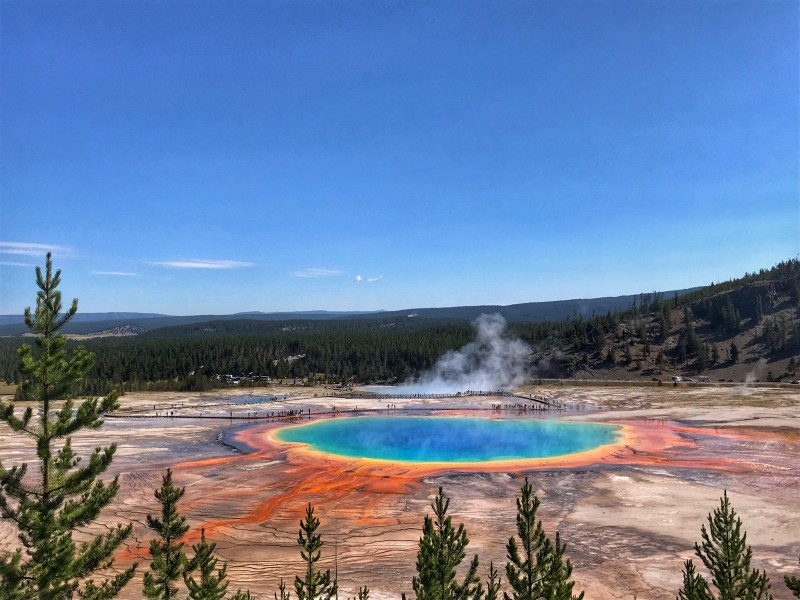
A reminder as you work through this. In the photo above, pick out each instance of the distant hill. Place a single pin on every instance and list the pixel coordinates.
(88, 323)
(533, 312)
(88, 317)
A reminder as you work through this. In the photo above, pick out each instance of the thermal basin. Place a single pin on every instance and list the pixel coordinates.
(449, 439)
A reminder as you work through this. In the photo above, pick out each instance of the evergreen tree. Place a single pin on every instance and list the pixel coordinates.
(212, 585)
(282, 593)
(610, 357)
(663, 323)
(169, 563)
(793, 583)
(363, 594)
(493, 584)
(734, 352)
(703, 357)
(714, 354)
(694, 586)
(688, 334)
(536, 569)
(599, 340)
(47, 509)
(727, 557)
(441, 549)
(315, 584)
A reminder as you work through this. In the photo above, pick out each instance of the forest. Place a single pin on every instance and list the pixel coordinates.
(692, 331)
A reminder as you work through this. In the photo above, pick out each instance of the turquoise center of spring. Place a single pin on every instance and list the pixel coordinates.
(449, 439)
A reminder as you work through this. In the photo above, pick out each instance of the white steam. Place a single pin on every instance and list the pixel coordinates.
(752, 377)
(492, 362)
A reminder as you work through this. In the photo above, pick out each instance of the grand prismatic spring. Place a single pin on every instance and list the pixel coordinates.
(449, 439)
(628, 500)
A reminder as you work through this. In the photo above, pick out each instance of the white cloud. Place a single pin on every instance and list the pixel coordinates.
(8, 263)
(200, 263)
(115, 273)
(316, 273)
(360, 278)
(32, 249)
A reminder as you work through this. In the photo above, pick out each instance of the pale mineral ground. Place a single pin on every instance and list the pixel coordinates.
(629, 516)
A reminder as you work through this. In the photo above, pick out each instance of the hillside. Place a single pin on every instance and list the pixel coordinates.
(90, 323)
(747, 331)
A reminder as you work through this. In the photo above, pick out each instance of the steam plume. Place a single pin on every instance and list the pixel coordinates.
(491, 362)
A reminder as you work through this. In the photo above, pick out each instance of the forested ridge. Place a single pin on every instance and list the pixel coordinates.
(696, 332)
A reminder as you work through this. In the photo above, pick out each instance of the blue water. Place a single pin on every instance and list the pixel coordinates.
(449, 439)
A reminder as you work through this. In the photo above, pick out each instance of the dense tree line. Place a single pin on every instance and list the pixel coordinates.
(390, 349)
(341, 351)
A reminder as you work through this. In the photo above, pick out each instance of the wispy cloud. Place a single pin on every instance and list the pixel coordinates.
(115, 273)
(316, 273)
(199, 263)
(8, 263)
(360, 278)
(32, 249)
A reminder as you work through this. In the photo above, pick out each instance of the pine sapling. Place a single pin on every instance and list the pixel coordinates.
(442, 547)
(793, 583)
(726, 555)
(65, 495)
(536, 568)
(169, 563)
(315, 584)
(212, 584)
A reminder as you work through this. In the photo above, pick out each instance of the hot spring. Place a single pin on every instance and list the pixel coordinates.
(449, 439)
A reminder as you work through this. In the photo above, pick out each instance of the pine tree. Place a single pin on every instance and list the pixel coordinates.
(793, 583)
(363, 594)
(441, 550)
(734, 352)
(688, 334)
(169, 562)
(65, 496)
(714, 354)
(537, 569)
(727, 557)
(703, 357)
(212, 585)
(694, 586)
(493, 584)
(610, 356)
(282, 593)
(315, 584)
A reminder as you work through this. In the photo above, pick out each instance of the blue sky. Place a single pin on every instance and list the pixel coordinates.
(214, 157)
